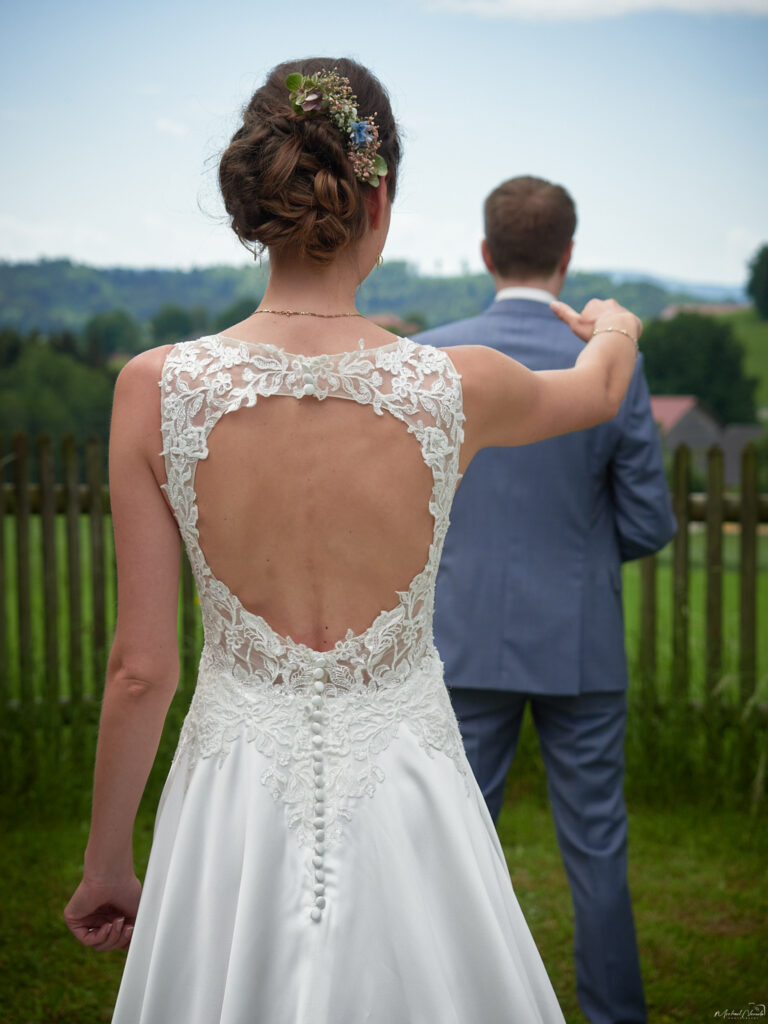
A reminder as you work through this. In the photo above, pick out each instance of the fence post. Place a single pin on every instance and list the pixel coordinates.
(680, 609)
(748, 574)
(648, 629)
(23, 582)
(714, 572)
(51, 714)
(93, 473)
(74, 595)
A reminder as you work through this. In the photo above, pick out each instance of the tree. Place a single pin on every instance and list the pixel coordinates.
(64, 342)
(45, 390)
(241, 309)
(757, 286)
(108, 334)
(11, 345)
(416, 318)
(172, 323)
(698, 355)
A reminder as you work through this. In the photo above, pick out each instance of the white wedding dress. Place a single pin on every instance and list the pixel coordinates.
(322, 853)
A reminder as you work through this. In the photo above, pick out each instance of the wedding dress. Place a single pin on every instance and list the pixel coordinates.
(322, 853)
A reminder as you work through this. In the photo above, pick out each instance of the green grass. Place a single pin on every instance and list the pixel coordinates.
(753, 335)
(700, 898)
(699, 881)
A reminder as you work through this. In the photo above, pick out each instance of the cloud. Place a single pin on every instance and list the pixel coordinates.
(25, 239)
(167, 127)
(586, 9)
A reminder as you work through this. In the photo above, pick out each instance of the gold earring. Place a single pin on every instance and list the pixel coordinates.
(379, 260)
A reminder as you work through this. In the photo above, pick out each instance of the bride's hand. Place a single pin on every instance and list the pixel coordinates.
(102, 916)
(598, 314)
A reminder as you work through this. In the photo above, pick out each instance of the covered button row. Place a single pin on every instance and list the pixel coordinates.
(317, 722)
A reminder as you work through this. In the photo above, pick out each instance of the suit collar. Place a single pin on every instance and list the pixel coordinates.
(524, 292)
(520, 307)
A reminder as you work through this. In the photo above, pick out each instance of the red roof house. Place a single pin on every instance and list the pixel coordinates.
(683, 420)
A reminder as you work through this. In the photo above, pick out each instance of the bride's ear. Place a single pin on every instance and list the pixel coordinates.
(377, 200)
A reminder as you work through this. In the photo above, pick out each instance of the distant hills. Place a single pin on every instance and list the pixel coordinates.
(702, 292)
(52, 295)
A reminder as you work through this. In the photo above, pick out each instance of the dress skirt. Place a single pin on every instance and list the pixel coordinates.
(420, 925)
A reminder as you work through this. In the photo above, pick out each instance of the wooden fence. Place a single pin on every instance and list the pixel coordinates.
(57, 604)
(715, 509)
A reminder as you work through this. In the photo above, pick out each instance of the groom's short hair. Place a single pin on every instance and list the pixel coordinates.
(528, 224)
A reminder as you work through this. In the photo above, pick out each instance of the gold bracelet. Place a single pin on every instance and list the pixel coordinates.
(617, 330)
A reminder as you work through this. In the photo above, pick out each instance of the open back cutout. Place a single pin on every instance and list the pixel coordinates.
(314, 514)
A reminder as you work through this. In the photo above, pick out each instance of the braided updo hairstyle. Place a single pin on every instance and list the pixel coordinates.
(286, 178)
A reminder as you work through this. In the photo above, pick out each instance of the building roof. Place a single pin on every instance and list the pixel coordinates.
(668, 410)
(703, 308)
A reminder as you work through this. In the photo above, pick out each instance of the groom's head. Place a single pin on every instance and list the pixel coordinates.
(529, 226)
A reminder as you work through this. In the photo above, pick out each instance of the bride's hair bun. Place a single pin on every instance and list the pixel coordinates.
(286, 178)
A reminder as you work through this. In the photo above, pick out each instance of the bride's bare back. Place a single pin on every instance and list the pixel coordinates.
(314, 513)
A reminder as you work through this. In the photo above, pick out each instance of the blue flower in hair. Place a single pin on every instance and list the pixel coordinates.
(360, 133)
(329, 94)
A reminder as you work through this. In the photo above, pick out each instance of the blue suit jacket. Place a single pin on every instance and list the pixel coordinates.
(529, 588)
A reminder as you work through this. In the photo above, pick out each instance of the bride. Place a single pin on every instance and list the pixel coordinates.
(321, 853)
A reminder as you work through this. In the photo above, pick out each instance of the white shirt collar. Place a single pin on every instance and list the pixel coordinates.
(521, 292)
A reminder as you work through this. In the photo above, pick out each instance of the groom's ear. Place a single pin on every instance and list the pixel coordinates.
(565, 259)
(485, 253)
(377, 201)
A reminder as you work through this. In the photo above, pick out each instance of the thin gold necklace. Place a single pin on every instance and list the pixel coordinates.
(303, 312)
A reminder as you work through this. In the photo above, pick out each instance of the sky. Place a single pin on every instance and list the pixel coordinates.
(654, 115)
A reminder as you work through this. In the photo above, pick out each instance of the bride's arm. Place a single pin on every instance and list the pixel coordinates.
(142, 672)
(507, 404)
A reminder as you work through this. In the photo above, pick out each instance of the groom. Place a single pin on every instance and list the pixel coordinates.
(529, 603)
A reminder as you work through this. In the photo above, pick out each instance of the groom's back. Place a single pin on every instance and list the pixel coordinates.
(529, 589)
(531, 534)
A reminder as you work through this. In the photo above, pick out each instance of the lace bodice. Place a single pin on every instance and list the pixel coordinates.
(320, 718)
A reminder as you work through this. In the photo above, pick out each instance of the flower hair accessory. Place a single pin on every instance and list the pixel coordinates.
(330, 93)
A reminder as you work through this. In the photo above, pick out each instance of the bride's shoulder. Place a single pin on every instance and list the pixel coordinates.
(475, 363)
(136, 415)
(148, 367)
(144, 368)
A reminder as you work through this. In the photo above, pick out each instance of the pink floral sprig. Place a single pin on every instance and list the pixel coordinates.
(330, 93)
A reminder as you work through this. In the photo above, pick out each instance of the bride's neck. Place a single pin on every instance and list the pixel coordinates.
(305, 285)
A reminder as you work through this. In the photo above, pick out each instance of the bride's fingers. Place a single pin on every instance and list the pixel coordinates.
(576, 321)
(125, 938)
(563, 310)
(110, 935)
(116, 933)
(92, 937)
